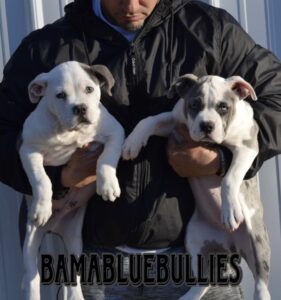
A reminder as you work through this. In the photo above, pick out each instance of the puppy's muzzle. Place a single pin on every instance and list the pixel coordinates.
(207, 127)
(80, 110)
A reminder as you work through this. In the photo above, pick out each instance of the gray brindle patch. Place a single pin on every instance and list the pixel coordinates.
(230, 99)
(261, 251)
(194, 102)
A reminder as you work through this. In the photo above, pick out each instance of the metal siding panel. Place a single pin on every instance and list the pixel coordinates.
(256, 16)
(242, 14)
(270, 191)
(273, 20)
(1, 57)
(278, 170)
(231, 6)
(4, 40)
(12, 258)
(51, 9)
(10, 252)
(273, 9)
(3, 277)
(16, 22)
(269, 174)
(36, 13)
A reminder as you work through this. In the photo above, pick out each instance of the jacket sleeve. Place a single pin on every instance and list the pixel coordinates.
(240, 55)
(15, 107)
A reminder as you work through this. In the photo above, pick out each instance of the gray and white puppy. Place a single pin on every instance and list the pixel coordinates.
(212, 109)
(69, 115)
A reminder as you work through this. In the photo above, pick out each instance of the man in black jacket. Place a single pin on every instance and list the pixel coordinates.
(146, 45)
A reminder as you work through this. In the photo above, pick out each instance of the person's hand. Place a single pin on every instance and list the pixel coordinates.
(81, 168)
(189, 158)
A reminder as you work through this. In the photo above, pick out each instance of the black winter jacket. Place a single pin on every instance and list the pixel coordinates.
(188, 37)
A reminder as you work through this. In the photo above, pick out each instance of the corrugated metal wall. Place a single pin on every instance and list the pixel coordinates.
(17, 19)
(259, 17)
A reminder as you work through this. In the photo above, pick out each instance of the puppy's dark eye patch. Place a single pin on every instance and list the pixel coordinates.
(222, 108)
(89, 89)
(61, 95)
(196, 105)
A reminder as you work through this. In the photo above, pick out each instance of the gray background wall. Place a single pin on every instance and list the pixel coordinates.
(261, 18)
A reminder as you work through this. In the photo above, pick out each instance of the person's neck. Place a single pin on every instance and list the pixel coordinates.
(97, 7)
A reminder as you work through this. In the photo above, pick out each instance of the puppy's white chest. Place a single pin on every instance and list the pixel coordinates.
(60, 147)
(58, 155)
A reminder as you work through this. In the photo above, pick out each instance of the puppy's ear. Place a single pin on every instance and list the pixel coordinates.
(37, 87)
(182, 85)
(241, 87)
(104, 76)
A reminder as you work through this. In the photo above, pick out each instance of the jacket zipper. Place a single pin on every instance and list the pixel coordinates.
(133, 59)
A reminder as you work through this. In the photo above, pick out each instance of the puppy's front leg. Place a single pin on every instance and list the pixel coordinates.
(232, 213)
(31, 278)
(160, 125)
(107, 182)
(41, 207)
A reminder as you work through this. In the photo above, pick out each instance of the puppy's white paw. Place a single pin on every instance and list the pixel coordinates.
(40, 212)
(108, 187)
(132, 146)
(232, 214)
(261, 291)
(138, 138)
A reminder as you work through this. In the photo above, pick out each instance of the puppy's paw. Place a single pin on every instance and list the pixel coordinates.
(108, 187)
(132, 146)
(40, 212)
(232, 214)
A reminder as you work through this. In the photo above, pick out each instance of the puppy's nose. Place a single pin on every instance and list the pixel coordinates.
(79, 110)
(207, 127)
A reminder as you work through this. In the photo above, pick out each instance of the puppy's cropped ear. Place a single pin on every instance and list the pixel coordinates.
(105, 77)
(241, 87)
(181, 85)
(37, 87)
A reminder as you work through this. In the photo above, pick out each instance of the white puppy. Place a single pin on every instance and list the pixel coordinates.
(212, 109)
(69, 115)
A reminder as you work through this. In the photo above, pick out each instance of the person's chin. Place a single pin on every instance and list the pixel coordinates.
(132, 25)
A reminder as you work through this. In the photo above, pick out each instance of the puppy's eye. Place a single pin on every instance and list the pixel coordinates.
(61, 95)
(89, 89)
(196, 106)
(222, 108)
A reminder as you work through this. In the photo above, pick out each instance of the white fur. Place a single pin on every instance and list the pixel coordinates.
(51, 134)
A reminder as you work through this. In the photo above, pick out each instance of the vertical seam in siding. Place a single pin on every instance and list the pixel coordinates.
(4, 33)
(36, 14)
